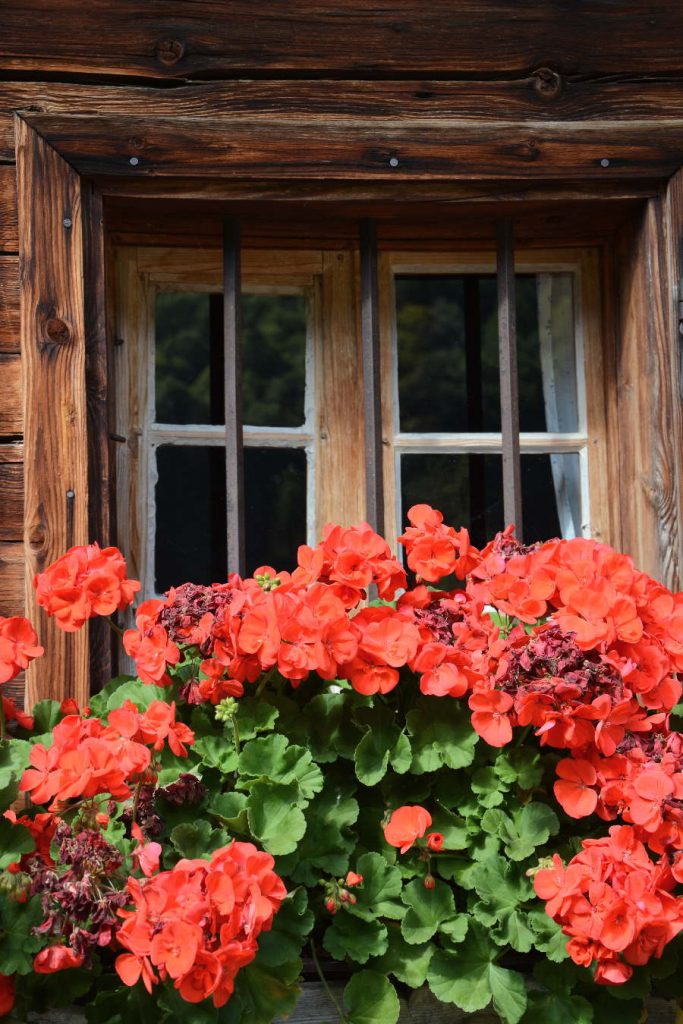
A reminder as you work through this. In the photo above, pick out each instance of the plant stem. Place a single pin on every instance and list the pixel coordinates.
(136, 801)
(2, 720)
(264, 682)
(114, 627)
(235, 734)
(328, 990)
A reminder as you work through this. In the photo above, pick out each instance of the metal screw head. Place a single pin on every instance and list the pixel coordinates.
(134, 161)
(67, 222)
(393, 161)
(604, 162)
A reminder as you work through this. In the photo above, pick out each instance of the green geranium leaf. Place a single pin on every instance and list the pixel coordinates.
(502, 889)
(14, 841)
(377, 896)
(46, 715)
(452, 827)
(521, 765)
(98, 702)
(371, 999)
(274, 816)
(455, 929)
(546, 1007)
(231, 810)
(326, 727)
(548, 936)
(354, 937)
(140, 693)
(291, 927)
(427, 909)
(254, 716)
(178, 1008)
(487, 785)
(18, 944)
(217, 752)
(440, 735)
(608, 1010)
(470, 978)
(534, 824)
(14, 755)
(272, 757)
(197, 839)
(383, 744)
(262, 993)
(408, 962)
(327, 846)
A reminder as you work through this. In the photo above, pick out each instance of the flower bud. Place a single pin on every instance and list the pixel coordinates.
(429, 882)
(331, 906)
(353, 879)
(226, 709)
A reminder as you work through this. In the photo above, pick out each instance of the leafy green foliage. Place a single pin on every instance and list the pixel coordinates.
(354, 937)
(14, 841)
(440, 734)
(371, 999)
(18, 944)
(427, 909)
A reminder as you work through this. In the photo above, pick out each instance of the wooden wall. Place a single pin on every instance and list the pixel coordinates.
(551, 63)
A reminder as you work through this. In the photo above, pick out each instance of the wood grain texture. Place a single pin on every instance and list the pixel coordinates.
(203, 37)
(11, 396)
(648, 399)
(9, 304)
(11, 492)
(9, 239)
(543, 96)
(12, 579)
(315, 147)
(53, 352)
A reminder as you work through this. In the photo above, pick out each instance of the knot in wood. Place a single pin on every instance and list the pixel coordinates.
(169, 51)
(547, 83)
(57, 331)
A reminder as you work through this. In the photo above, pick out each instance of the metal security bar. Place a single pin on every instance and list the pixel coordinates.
(509, 392)
(232, 370)
(374, 483)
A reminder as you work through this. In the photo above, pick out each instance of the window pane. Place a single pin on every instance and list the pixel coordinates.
(274, 333)
(275, 494)
(447, 354)
(189, 359)
(468, 489)
(546, 353)
(551, 496)
(190, 544)
(182, 357)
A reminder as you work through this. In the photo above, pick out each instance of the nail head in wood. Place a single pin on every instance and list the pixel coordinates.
(393, 161)
(604, 162)
(67, 222)
(57, 331)
(134, 161)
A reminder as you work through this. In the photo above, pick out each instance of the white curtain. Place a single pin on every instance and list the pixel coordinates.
(555, 297)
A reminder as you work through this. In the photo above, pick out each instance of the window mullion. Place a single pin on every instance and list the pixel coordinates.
(232, 363)
(509, 391)
(372, 404)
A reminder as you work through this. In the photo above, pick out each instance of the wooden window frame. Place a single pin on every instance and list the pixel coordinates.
(68, 162)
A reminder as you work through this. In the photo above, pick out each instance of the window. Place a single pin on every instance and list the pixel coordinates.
(303, 398)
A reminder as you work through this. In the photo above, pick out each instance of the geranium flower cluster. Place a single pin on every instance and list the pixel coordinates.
(407, 825)
(615, 903)
(199, 923)
(18, 646)
(85, 582)
(88, 758)
(296, 622)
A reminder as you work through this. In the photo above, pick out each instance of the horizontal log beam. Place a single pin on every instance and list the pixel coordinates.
(11, 492)
(9, 231)
(543, 96)
(11, 400)
(11, 579)
(204, 37)
(9, 304)
(379, 149)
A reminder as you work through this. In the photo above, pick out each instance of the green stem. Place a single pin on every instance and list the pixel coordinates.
(114, 627)
(2, 720)
(264, 682)
(235, 734)
(330, 995)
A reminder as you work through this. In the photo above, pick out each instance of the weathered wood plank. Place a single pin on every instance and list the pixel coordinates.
(11, 579)
(9, 304)
(648, 398)
(11, 401)
(9, 241)
(203, 37)
(382, 149)
(11, 492)
(543, 96)
(53, 352)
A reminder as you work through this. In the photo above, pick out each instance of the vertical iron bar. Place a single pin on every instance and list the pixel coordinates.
(232, 367)
(372, 403)
(475, 414)
(509, 392)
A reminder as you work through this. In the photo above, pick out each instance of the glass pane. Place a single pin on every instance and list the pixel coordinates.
(190, 544)
(546, 353)
(447, 354)
(189, 359)
(275, 496)
(274, 333)
(468, 489)
(182, 359)
(551, 496)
